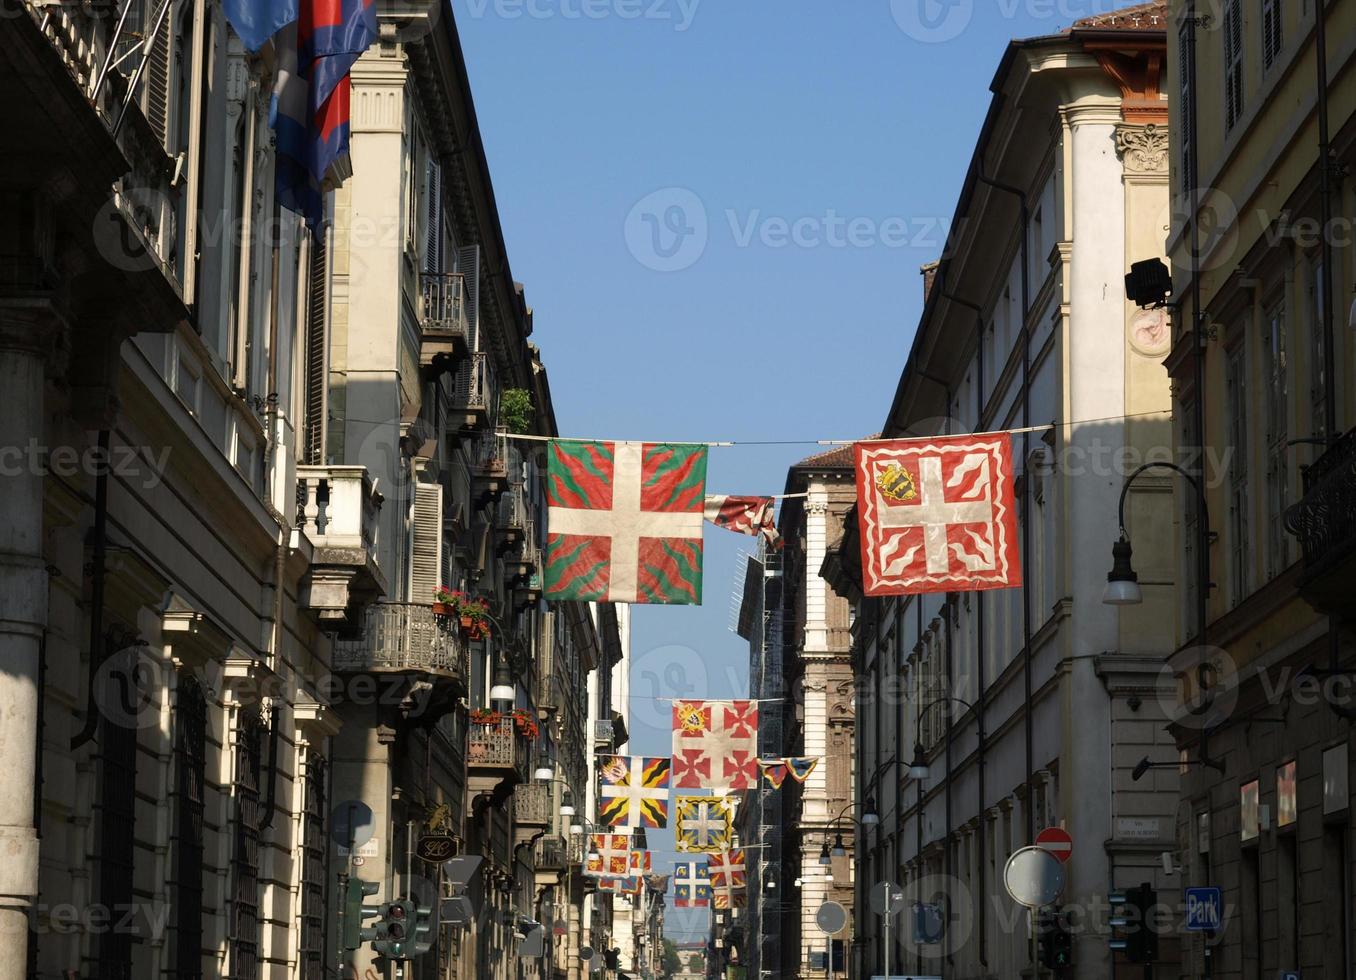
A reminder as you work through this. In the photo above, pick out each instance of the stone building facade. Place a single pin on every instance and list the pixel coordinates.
(255, 455)
(1030, 707)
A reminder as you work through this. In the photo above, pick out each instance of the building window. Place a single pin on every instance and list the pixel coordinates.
(1240, 533)
(1233, 62)
(190, 759)
(244, 907)
(314, 870)
(1271, 32)
(1278, 435)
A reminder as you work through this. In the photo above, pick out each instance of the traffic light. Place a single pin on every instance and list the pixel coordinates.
(425, 928)
(355, 933)
(395, 930)
(1142, 942)
(1056, 940)
(1132, 923)
(612, 958)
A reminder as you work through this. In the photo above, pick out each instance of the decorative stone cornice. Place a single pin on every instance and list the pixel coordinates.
(1143, 149)
(315, 720)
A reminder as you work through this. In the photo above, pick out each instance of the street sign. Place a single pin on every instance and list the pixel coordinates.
(1204, 908)
(1057, 841)
(351, 822)
(435, 848)
(1290, 975)
(1034, 877)
(831, 918)
(887, 898)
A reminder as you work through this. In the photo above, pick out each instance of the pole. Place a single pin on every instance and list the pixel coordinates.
(888, 896)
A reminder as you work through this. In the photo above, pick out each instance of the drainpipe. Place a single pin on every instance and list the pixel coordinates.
(1025, 221)
(99, 546)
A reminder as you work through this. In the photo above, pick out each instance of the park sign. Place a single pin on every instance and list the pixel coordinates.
(1204, 909)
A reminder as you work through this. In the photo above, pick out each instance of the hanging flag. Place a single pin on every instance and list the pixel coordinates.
(310, 110)
(622, 886)
(774, 771)
(746, 515)
(726, 869)
(634, 792)
(715, 744)
(625, 522)
(640, 862)
(691, 885)
(609, 855)
(258, 20)
(705, 823)
(800, 769)
(937, 515)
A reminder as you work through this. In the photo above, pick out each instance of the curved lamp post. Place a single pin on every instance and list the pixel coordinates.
(1122, 589)
(918, 766)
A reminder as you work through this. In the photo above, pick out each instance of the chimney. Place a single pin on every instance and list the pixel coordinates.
(929, 273)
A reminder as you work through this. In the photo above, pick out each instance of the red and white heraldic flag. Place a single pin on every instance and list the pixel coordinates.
(937, 515)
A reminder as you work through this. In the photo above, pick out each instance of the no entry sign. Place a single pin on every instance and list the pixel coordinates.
(1057, 841)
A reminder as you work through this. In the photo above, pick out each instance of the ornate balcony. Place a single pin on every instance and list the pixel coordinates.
(532, 805)
(490, 472)
(549, 860)
(1324, 521)
(403, 637)
(443, 329)
(496, 761)
(511, 520)
(473, 395)
(338, 509)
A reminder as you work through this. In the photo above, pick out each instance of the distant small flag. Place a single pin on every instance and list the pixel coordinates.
(746, 515)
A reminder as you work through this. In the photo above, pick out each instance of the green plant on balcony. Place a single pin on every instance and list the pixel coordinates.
(516, 411)
(472, 612)
(486, 717)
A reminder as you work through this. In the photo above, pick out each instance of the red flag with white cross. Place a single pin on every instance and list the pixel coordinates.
(937, 514)
(624, 521)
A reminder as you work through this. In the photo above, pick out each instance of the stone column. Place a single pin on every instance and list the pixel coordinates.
(24, 346)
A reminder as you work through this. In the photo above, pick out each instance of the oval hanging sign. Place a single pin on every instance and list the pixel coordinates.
(436, 848)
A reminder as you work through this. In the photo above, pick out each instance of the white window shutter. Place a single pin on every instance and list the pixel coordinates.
(426, 549)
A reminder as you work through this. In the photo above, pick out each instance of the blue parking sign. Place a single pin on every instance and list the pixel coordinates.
(1204, 909)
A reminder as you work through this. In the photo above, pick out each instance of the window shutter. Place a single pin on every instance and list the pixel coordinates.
(426, 551)
(433, 231)
(317, 310)
(468, 264)
(158, 73)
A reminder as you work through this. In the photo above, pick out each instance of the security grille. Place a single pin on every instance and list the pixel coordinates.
(244, 911)
(314, 870)
(190, 752)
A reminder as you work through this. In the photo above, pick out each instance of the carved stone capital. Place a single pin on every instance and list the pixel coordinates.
(1143, 149)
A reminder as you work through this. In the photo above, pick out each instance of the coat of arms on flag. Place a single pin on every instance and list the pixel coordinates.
(634, 791)
(715, 744)
(705, 823)
(775, 771)
(623, 886)
(691, 885)
(746, 515)
(640, 862)
(609, 855)
(937, 515)
(625, 521)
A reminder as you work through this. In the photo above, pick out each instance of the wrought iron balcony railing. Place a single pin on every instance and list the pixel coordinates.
(405, 636)
(1324, 521)
(497, 746)
(550, 853)
(442, 303)
(474, 388)
(532, 804)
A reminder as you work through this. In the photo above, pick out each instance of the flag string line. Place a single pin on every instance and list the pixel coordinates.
(725, 444)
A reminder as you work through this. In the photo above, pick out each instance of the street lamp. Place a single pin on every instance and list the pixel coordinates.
(503, 690)
(918, 766)
(1122, 584)
(838, 849)
(544, 774)
(869, 815)
(824, 858)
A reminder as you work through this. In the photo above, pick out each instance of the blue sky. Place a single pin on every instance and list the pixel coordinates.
(719, 211)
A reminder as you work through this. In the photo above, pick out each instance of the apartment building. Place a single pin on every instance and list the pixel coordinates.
(984, 717)
(251, 456)
(1262, 137)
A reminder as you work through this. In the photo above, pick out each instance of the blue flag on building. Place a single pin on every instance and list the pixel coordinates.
(258, 20)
